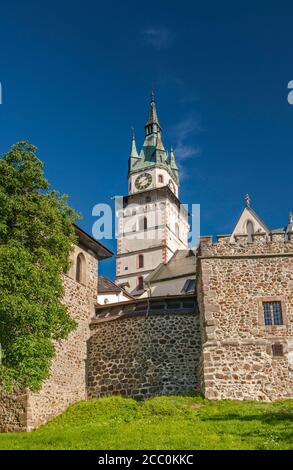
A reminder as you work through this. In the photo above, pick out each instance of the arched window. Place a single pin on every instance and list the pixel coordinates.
(140, 261)
(80, 269)
(161, 179)
(177, 230)
(140, 283)
(250, 231)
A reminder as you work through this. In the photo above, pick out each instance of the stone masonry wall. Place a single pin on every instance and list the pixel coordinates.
(234, 281)
(143, 356)
(13, 412)
(67, 381)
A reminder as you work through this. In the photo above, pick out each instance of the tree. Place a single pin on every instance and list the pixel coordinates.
(36, 237)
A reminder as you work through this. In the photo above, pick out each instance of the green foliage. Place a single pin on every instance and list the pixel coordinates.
(36, 237)
(175, 422)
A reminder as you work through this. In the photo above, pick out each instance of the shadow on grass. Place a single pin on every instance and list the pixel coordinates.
(273, 429)
(271, 418)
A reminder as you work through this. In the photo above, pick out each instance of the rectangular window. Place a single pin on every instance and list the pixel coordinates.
(272, 313)
(140, 261)
(277, 350)
(277, 313)
(267, 313)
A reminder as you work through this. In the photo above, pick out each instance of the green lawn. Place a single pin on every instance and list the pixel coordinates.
(177, 422)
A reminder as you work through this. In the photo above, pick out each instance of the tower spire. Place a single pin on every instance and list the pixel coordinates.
(173, 164)
(133, 151)
(152, 124)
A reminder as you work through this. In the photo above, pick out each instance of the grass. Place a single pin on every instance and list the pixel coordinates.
(176, 422)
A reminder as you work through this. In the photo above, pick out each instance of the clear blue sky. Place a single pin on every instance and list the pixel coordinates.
(76, 75)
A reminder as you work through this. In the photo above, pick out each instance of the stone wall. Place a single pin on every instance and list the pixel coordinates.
(13, 412)
(67, 381)
(233, 282)
(141, 356)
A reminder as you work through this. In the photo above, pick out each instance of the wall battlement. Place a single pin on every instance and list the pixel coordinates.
(262, 244)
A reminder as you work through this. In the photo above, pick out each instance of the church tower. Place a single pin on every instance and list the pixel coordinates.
(152, 223)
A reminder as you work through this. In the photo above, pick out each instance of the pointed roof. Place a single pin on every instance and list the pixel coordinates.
(153, 115)
(182, 264)
(107, 286)
(173, 164)
(133, 151)
(91, 243)
(153, 152)
(248, 214)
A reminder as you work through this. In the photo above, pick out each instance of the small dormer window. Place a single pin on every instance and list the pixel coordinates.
(189, 286)
(161, 179)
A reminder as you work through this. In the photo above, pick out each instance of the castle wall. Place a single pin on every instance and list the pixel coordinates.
(67, 381)
(141, 356)
(13, 412)
(234, 281)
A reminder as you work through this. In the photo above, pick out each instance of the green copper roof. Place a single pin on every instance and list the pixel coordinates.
(133, 151)
(153, 116)
(153, 152)
(173, 164)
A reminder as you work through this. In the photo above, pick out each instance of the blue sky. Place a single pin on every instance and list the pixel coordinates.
(76, 75)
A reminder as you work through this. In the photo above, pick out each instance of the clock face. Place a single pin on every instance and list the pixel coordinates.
(171, 186)
(143, 181)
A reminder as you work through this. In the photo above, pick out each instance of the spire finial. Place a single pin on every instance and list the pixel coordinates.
(152, 116)
(133, 133)
(291, 218)
(152, 95)
(133, 151)
(247, 200)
